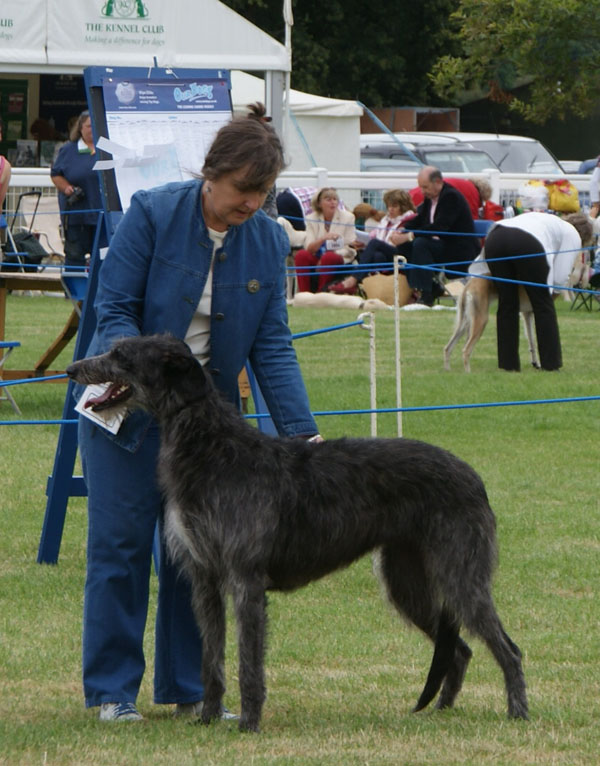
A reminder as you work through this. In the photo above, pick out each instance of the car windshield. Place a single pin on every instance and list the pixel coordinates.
(521, 156)
(458, 160)
(388, 165)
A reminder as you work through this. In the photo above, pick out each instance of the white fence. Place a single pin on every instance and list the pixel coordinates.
(352, 186)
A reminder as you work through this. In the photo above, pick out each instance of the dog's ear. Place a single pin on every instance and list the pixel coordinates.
(175, 363)
(184, 374)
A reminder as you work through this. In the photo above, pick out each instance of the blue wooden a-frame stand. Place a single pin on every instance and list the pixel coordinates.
(62, 484)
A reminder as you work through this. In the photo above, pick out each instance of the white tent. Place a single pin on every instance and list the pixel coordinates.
(64, 36)
(322, 132)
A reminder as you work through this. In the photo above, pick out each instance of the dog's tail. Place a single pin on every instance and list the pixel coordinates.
(443, 654)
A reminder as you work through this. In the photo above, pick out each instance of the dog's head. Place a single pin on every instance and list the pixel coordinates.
(144, 372)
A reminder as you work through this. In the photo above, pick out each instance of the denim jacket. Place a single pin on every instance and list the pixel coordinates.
(152, 279)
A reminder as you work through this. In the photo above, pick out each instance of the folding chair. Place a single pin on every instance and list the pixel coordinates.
(75, 285)
(581, 275)
(41, 216)
(6, 349)
(14, 261)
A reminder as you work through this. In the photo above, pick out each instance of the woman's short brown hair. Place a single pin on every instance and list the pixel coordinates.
(246, 142)
(401, 198)
(584, 227)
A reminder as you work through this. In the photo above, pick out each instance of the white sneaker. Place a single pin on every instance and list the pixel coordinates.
(119, 711)
(194, 709)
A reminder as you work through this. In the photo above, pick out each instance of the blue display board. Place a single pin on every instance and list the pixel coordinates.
(153, 115)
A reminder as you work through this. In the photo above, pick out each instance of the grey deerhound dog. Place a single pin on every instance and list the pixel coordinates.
(246, 513)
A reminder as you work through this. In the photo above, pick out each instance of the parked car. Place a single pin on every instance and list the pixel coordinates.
(418, 149)
(466, 152)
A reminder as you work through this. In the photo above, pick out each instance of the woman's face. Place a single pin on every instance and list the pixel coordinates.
(393, 210)
(329, 203)
(227, 201)
(86, 131)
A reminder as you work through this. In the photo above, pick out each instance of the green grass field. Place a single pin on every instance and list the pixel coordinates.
(342, 671)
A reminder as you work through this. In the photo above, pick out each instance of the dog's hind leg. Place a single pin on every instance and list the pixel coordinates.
(487, 625)
(249, 602)
(531, 343)
(479, 314)
(443, 656)
(209, 608)
(460, 327)
(410, 591)
(455, 675)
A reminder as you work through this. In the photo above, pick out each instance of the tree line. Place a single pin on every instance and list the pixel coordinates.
(443, 52)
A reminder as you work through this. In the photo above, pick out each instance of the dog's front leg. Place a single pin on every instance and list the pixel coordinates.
(250, 609)
(209, 608)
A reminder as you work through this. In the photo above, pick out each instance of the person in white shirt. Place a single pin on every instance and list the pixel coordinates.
(538, 249)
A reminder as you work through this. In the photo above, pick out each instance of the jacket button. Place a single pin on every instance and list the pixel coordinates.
(220, 316)
(222, 256)
(253, 286)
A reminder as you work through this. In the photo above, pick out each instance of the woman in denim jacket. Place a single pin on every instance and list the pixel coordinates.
(200, 260)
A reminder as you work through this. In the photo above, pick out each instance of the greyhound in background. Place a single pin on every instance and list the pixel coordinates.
(472, 314)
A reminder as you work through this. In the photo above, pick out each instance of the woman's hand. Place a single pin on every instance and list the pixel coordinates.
(315, 246)
(400, 237)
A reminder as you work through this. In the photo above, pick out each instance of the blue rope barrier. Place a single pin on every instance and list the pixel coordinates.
(437, 268)
(382, 410)
(41, 379)
(326, 329)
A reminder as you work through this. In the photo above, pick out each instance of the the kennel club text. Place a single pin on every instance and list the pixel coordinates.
(135, 29)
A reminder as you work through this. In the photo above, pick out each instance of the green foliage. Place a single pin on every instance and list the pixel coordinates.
(378, 53)
(342, 670)
(552, 44)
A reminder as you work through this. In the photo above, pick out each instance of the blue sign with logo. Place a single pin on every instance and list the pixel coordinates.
(166, 96)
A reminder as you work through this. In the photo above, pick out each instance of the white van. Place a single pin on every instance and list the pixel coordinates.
(463, 152)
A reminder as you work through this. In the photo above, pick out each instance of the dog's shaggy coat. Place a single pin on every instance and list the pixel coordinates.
(245, 513)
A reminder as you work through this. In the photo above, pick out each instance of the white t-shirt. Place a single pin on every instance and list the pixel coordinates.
(198, 334)
(560, 240)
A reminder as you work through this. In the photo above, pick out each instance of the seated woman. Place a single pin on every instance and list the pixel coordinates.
(379, 250)
(329, 237)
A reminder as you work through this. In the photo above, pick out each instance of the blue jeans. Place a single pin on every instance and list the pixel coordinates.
(124, 505)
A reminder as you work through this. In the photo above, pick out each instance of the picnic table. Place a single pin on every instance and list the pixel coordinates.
(46, 282)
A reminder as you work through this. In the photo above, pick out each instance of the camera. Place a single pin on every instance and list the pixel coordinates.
(77, 196)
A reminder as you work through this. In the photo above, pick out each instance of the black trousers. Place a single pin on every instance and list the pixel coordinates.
(503, 242)
(422, 251)
(79, 241)
(373, 259)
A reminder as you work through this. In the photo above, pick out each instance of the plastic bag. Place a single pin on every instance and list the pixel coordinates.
(533, 195)
(563, 196)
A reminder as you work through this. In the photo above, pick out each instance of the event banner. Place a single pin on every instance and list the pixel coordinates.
(160, 130)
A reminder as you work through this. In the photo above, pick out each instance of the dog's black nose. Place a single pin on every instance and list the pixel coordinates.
(72, 370)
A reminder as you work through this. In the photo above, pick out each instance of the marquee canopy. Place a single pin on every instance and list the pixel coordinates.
(64, 36)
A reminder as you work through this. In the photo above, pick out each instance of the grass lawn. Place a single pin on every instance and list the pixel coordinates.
(342, 671)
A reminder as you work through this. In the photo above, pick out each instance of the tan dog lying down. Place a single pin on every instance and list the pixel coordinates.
(330, 300)
(472, 314)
